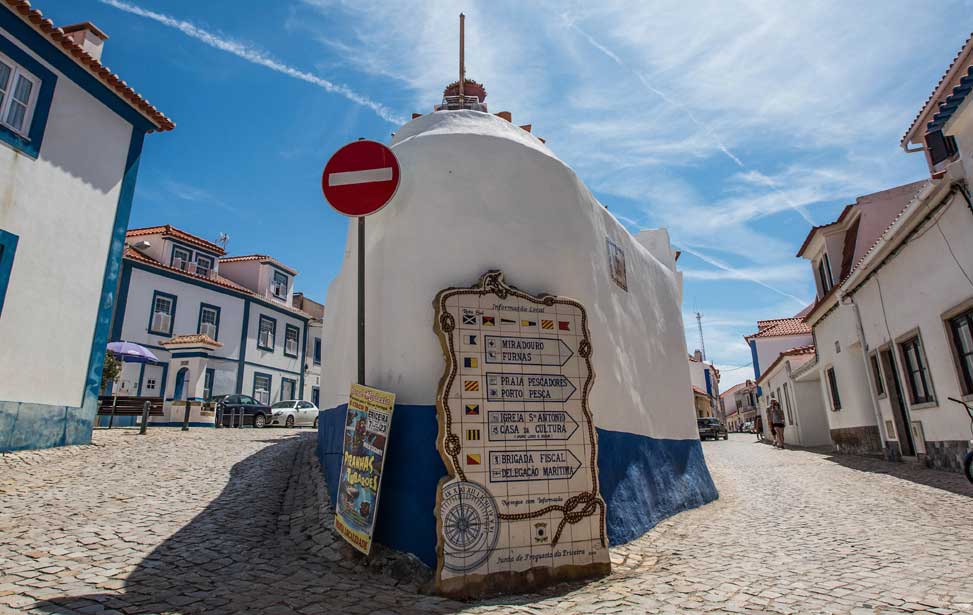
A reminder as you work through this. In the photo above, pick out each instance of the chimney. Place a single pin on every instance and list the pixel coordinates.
(698, 356)
(88, 36)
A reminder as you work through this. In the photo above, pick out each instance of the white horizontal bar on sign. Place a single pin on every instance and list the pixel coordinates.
(360, 177)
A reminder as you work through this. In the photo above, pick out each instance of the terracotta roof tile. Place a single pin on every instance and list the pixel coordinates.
(59, 38)
(191, 339)
(700, 391)
(939, 90)
(262, 258)
(170, 231)
(790, 352)
(781, 327)
(219, 280)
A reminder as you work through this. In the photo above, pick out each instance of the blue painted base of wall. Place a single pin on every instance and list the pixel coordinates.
(643, 480)
(28, 426)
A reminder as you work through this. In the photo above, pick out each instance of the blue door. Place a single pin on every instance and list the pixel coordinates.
(179, 393)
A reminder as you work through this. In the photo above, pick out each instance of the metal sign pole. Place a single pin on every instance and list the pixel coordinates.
(361, 300)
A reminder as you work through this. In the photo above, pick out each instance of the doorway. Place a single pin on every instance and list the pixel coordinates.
(181, 378)
(897, 401)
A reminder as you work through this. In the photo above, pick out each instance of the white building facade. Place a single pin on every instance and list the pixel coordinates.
(705, 380)
(218, 324)
(805, 420)
(71, 136)
(312, 354)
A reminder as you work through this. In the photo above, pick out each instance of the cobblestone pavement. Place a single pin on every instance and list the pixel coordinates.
(235, 521)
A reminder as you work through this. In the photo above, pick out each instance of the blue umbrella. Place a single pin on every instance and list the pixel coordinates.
(132, 353)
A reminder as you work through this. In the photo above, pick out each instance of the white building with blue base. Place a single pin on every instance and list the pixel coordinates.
(71, 135)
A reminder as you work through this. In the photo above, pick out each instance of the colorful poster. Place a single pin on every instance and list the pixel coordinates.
(367, 424)
(521, 504)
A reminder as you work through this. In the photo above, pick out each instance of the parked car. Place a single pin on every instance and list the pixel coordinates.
(747, 427)
(294, 413)
(234, 410)
(711, 427)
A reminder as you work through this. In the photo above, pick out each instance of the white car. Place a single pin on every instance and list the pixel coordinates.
(294, 413)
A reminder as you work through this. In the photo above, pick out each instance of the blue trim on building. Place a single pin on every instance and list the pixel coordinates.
(118, 318)
(303, 360)
(274, 307)
(210, 377)
(30, 425)
(287, 329)
(756, 364)
(709, 384)
(243, 347)
(172, 315)
(172, 254)
(190, 354)
(273, 332)
(62, 62)
(199, 322)
(315, 395)
(138, 391)
(30, 146)
(643, 480)
(317, 351)
(8, 248)
(276, 369)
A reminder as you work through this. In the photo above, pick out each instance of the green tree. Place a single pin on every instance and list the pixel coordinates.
(111, 371)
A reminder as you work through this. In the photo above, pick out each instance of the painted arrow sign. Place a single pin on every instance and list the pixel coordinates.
(529, 387)
(518, 425)
(517, 466)
(526, 350)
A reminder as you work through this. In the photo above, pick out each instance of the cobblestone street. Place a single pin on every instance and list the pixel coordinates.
(235, 521)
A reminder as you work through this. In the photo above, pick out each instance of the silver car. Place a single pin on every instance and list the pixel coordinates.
(294, 413)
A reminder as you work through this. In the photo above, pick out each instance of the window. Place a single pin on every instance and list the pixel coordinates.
(181, 257)
(267, 333)
(920, 388)
(279, 286)
(292, 338)
(209, 321)
(163, 313)
(739, 403)
(261, 388)
(18, 95)
(208, 383)
(833, 387)
(287, 388)
(150, 384)
(8, 245)
(962, 329)
(824, 274)
(204, 265)
(877, 375)
(787, 405)
(315, 396)
(317, 351)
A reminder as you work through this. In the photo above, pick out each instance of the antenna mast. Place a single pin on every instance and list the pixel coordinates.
(702, 345)
(462, 63)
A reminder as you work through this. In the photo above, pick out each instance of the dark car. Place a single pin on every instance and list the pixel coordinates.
(239, 410)
(711, 428)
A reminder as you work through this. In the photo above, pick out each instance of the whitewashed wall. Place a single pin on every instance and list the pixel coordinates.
(55, 286)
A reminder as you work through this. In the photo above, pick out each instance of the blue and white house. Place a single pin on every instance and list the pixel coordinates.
(218, 324)
(71, 135)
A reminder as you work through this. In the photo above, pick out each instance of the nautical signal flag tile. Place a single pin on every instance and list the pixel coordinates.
(507, 321)
(472, 409)
(528, 323)
(470, 362)
(547, 324)
(471, 340)
(473, 435)
(472, 459)
(471, 385)
(469, 319)
(563, 325)
(489, 321)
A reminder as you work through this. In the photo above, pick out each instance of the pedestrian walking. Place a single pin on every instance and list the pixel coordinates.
(758, 427)
(777, 423)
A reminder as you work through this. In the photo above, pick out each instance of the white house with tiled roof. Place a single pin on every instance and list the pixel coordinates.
(805, 420)
(71, 135)
(220, 325)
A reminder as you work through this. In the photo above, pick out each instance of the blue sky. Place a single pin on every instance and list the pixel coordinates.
(736, 125)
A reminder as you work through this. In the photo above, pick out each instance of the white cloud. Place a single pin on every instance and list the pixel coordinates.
(256, 56)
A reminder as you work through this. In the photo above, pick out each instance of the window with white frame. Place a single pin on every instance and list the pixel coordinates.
(181, 257)
(917, 374)
(18, 96)
(204, 265)
(267, 332)
(150, 384)
(824, 274)
(291, 340)
(209, 321)
(961, 328)
(279, 286)
(163, 312)
(261, 388)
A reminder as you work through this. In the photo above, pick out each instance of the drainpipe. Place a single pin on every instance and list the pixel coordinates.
(871, 393)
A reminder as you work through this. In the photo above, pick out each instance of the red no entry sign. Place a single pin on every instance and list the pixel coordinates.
(360, 178)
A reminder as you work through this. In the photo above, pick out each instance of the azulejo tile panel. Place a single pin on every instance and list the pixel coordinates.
(521, 505)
